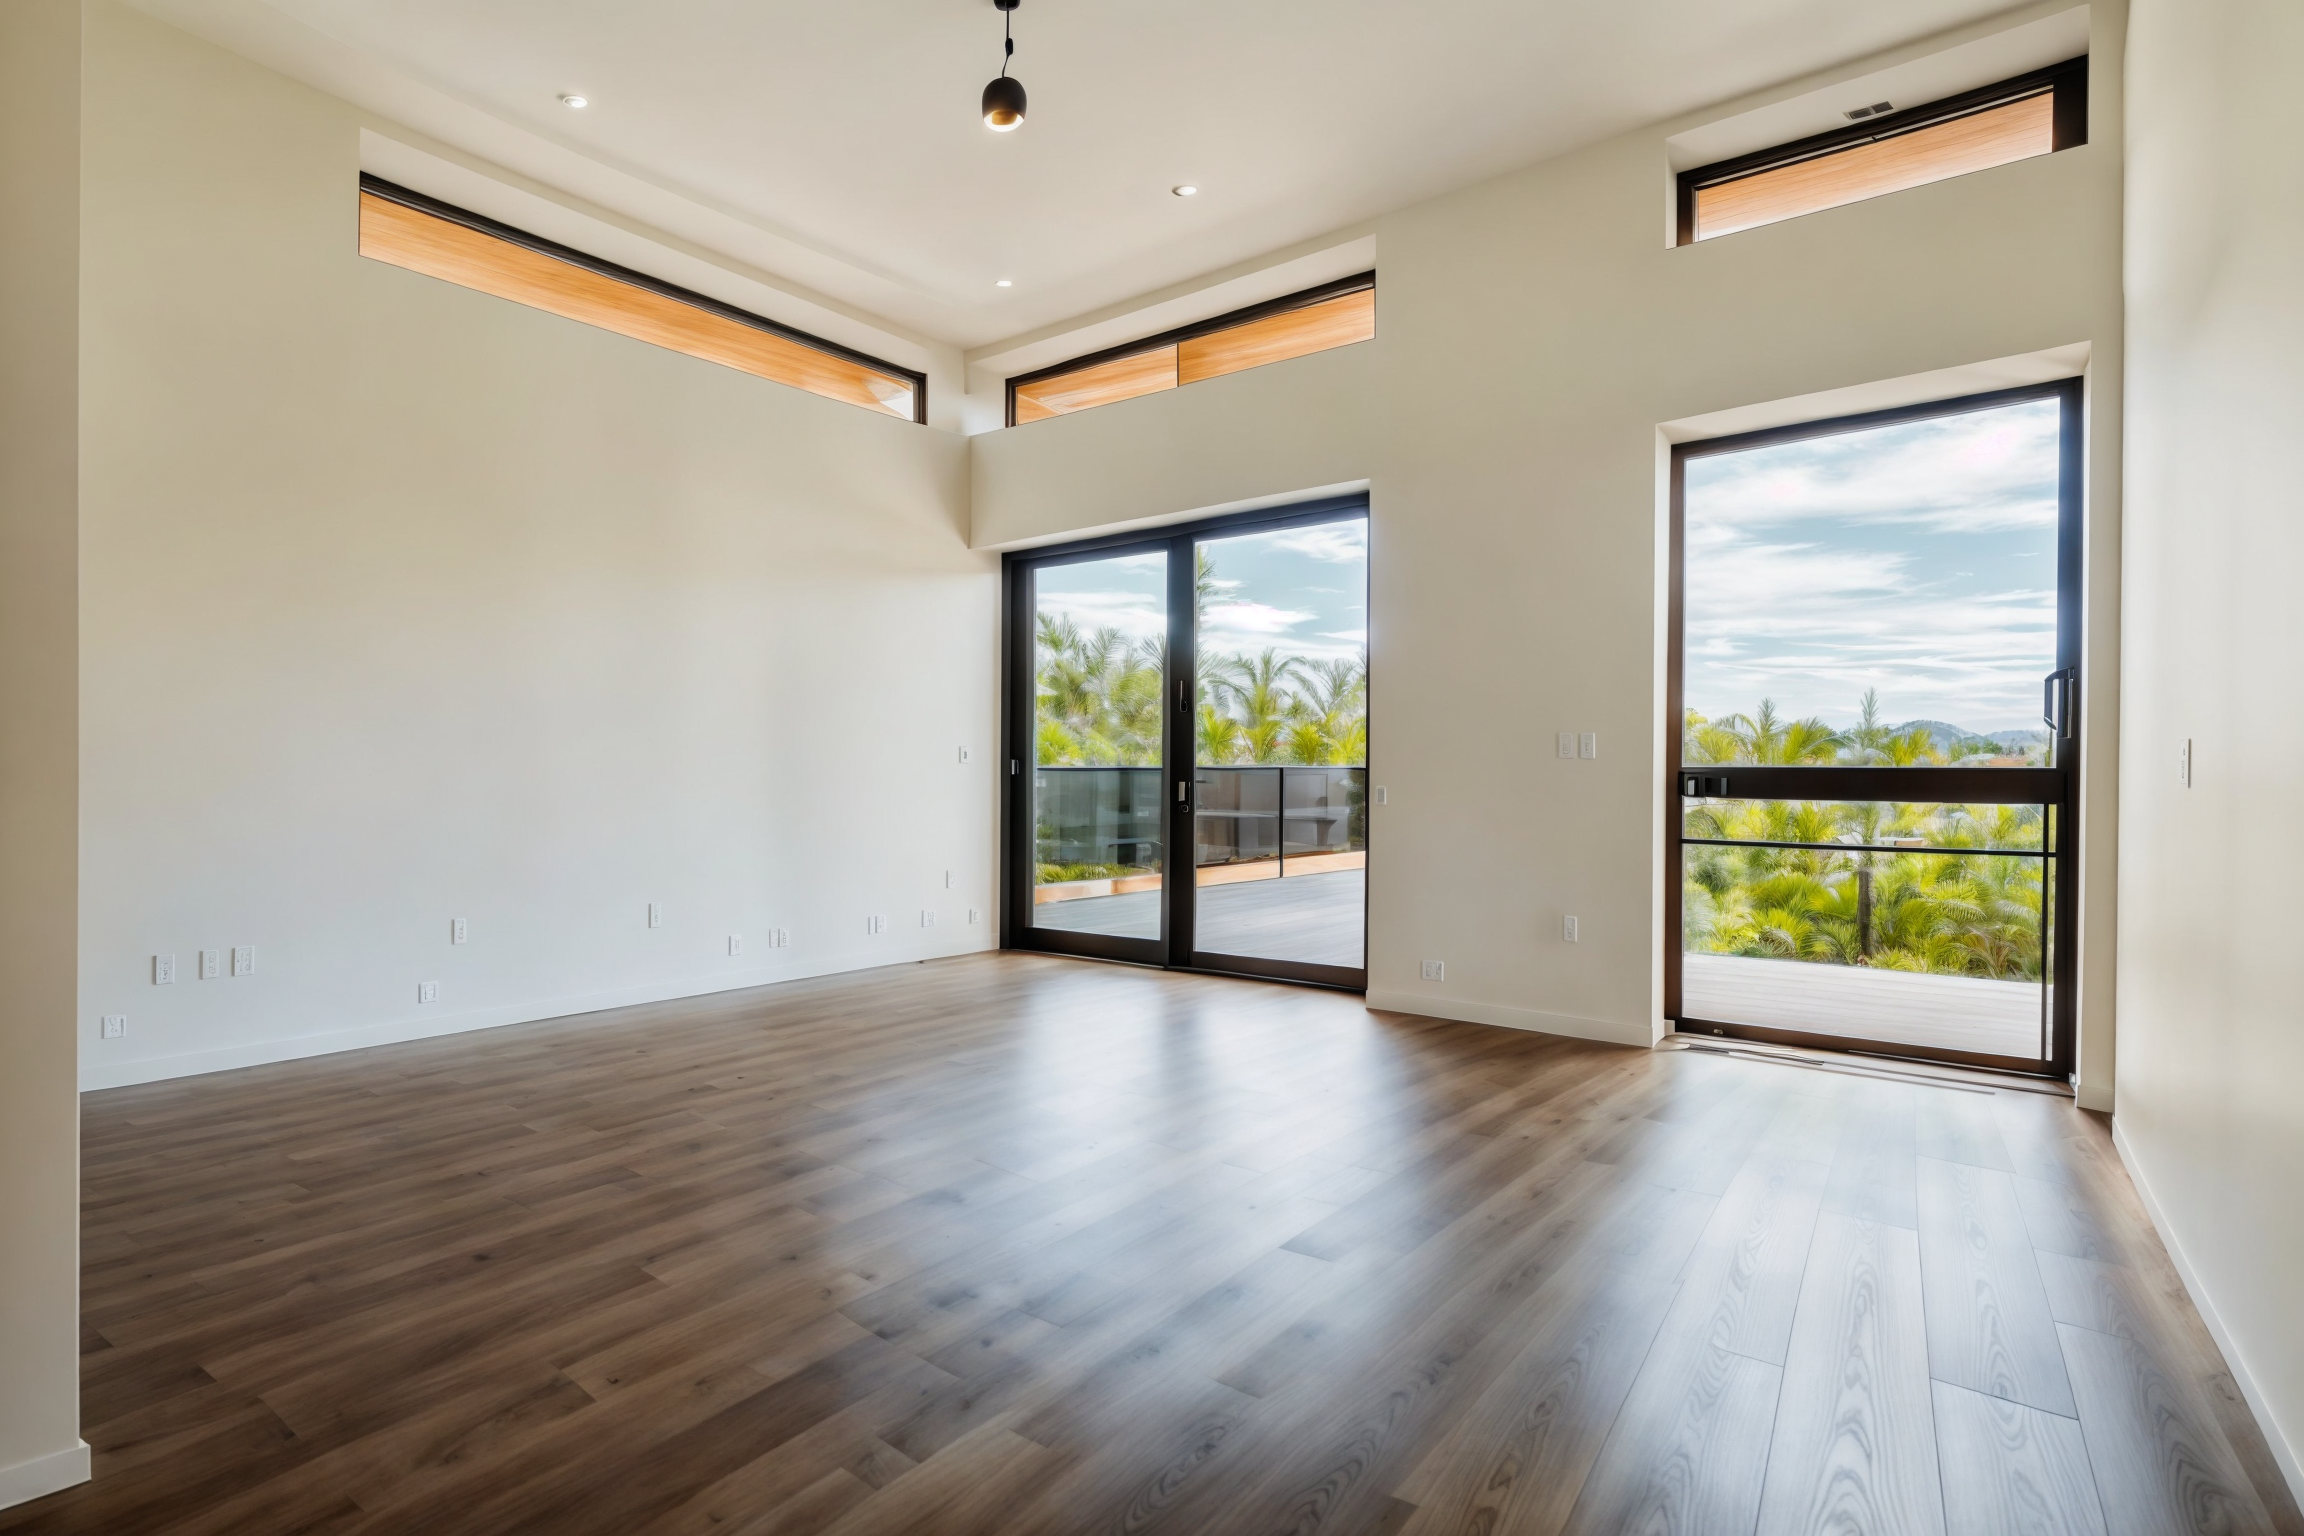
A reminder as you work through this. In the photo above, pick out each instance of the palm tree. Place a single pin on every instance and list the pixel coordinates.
(1258, 691)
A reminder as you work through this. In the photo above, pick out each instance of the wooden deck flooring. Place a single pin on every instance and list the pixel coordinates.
(1025, 1245)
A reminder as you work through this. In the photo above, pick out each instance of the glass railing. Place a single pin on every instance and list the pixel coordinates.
(1315, 816)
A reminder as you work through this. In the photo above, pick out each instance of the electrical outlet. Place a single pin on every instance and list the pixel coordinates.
(115, 1025)
(1435, 970)
(735, 944)
(1383, 795)
(163, 970)
(243, 959)
(927, 919)
(779, 938)
(427, 992)
(2184, 763)
(1568, 929)
(963, 754)
(211, 964)
(876, 924)
(1566, 744)
(655, 914)
(947, 879)
(1588, 744)
(458, 930)
(974, 915)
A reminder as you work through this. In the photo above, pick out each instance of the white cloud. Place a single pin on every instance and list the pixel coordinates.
(1339, 543)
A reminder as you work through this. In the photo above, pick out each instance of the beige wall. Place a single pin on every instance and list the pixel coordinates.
(2212, 1029)
(1534, 333)
(404, 603)
(40, 1447)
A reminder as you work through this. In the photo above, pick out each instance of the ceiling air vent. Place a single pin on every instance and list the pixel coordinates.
(1874, 110)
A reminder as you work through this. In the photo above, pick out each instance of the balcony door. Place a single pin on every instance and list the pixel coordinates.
(1187, 734)
(1874, 691)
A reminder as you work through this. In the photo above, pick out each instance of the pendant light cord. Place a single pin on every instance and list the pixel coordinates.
(1008, 38)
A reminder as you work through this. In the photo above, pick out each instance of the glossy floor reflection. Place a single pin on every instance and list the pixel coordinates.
(1038, 1247)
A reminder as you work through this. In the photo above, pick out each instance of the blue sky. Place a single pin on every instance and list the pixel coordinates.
(1918, 559)
(1303, 591)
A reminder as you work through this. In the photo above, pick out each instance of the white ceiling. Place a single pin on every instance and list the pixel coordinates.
(837, 143)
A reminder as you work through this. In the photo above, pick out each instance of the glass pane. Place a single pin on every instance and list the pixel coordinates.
(1124, 378)
(1976, 142)
(1906, 924)
(1337, 322)
(1882, 598)
(1101, 629)
(1281, 791)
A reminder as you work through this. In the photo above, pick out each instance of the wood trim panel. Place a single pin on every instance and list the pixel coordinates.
(1336, 322)
(394, 232)
(1979, 141)
(1123, 378)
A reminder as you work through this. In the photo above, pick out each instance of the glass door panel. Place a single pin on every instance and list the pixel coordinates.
(1874, 687)
(1280, 728)
(1099, 687)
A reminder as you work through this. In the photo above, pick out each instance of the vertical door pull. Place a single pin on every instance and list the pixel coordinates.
(1181, 786)
(2056, 706)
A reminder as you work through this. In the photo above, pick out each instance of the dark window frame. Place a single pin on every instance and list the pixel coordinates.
(2067, 82)
(1359, 282)
(2056, 788)
(1172, 950)
(480, 223)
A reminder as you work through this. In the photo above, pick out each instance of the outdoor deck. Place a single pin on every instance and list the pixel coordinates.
(1317, 919)
(1953, 1013)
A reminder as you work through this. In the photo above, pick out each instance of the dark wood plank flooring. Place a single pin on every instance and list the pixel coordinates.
(1021, 1245)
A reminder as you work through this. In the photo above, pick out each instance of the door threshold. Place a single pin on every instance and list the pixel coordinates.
(1865, 1064)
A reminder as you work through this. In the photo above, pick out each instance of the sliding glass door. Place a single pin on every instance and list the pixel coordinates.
(1187, 747)
(1874, 691)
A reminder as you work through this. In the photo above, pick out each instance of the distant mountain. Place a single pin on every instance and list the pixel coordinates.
(1947, 734)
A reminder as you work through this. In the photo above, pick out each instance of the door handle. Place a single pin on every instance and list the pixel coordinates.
(2059, 691)
(1704, 786)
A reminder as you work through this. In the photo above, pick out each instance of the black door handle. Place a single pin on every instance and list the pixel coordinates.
(2059, 689)
(1704, 786)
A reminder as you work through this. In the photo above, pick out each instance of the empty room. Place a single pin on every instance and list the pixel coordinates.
(1058, 768)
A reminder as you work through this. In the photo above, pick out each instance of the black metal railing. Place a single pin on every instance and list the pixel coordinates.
(1108, 819)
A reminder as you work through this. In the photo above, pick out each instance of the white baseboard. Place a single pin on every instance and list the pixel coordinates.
(2283, 1449)
(1504, 1016)
(43, 1475)
(99, 1074)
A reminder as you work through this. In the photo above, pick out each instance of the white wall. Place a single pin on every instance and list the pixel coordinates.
(404, 603)
(40, 1449)
(2212, 1026)
(1534, 333)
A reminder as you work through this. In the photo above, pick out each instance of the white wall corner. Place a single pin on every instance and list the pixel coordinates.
(1506, 1016)
(2284, 1448)
(44, 1475)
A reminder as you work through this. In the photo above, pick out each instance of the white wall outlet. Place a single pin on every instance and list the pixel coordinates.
(1383, 795)
(243, 959)
(1435, 970)
(963, 754)
(779, 938)
(947, 879)
(458, 930)
(876, 924)
(974, 915)
(735, 943)
(115, 1025)
(1588, 744)
(1568, 929)
(211, 964)
(427, 992)
(2184, 763)
(655, 914)
(1566, 744)
(163, 970)
(927, 919)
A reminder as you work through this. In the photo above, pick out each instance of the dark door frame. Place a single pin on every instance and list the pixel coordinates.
(1018, 715)
(2055, 787)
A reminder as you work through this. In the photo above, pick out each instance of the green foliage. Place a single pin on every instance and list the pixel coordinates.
(1959, 912)
(1100, 700)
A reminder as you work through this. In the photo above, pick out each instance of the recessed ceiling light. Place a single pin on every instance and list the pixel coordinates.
(574, 103)
(1003, 283)
(1185, 191)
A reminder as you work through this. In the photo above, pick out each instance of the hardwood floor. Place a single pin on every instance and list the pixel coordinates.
(1027, 1245)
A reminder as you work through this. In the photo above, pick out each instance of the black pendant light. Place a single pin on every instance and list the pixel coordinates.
(1004, 97)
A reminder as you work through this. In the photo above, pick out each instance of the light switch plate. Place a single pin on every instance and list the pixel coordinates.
(458, 930)
(243, 959)
(427, 992)
(1567, 743)
(163, 970)
(211, 964)
(115, 1025)
(1435, 970)
(1588, 744)
(735, 944)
